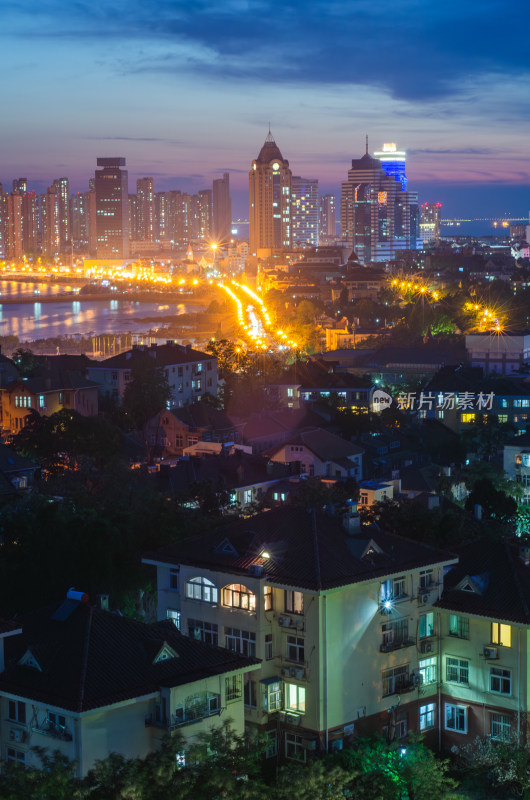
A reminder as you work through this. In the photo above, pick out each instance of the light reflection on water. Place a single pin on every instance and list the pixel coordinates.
(42, 320)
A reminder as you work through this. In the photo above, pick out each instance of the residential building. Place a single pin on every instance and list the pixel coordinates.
(86, 682)
(205, 213)
(190, 373)
(170, 432)
(63, 200)
(378, 217)
(13, 242)
(3, 218)
(30, 223)
(304, 211)
(343, 624)
(17, 474)
(269, 201)
(112, 208)
(145, 209)
(318, 380)
(503, 353)
(484, 640)
(222, 209)
(430, 222)
(516, 463)
(374, 491)
(50, 223)
(327, 217)
(321, 454)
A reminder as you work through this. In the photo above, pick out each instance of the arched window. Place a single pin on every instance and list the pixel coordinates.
(202, 589)
(238, 596)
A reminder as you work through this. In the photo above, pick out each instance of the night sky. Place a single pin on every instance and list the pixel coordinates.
(185, 91)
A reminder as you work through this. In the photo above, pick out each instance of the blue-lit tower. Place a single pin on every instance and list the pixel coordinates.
(393, 162)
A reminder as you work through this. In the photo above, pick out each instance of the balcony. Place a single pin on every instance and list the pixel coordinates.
(388, 647)
(189, 718)
(54, 730)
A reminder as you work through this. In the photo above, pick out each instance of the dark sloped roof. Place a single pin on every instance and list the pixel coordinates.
(223, 472)
(164, 355)
(269, 151)
(326, 446)
(11, 461)
(505, 582)
(203, 415)
(320, 374)
(54, 381)
(95, 658)
(307, 550)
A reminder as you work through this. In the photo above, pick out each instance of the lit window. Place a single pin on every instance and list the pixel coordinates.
(428, 670)
(267, 597)
(294, 602)
(458, 626)
(238, 596)
(467, 418)
(426, 625)
(501, 634)
(173, 615)
(456, 718)
(295, 698)
(203, 631)
(396, 679)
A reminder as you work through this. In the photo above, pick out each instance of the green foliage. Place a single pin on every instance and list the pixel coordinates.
(495, 503)
(493, 764)
(55, 780)
(147, 392)
(27, 363)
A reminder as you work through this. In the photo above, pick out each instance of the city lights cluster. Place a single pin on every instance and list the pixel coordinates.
(414, 287)
(487, 319)
(284, 343)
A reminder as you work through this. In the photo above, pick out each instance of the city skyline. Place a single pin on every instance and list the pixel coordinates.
(186, 95)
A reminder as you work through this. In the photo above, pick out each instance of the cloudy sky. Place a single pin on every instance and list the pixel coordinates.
(185, 90)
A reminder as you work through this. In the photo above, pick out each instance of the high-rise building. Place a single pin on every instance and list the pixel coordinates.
(377, 217)
(30, 222)
(394, 162)
(205, 213)
(112, 208)
(134, 227)
(328, 216)
(63, 195)
(3, 218)
(51, 222)
(20, 185)
(145, 192)
(83, 220)
(269, 200)
(304, 211)
(13, 244)
(430, 222)
(222, 209)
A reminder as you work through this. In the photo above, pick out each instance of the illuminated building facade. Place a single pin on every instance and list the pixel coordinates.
(393, 162)
(430, 222)
(50, 222)
(30, 222)
(3, 218)
(269, 200)
(63, 198)
(304, 211)
(145, 203)
(20, 185)
(13, 226)
(377, 217)
(205, 213)
(112, 208)
(328, 216)
(222, 209)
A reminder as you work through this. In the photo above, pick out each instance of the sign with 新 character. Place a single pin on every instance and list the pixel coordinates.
(445, 401)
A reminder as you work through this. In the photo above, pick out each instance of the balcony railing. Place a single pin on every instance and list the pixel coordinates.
(388, 647)
(53, 730)
(180, 722)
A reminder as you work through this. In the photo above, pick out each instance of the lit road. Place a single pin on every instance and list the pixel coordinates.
(255, 324)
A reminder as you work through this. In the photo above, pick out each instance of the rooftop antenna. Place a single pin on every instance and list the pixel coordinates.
(366, 144)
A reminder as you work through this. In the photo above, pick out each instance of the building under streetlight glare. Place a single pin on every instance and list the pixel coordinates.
(112, 208)
(430, 222)
(269, 200)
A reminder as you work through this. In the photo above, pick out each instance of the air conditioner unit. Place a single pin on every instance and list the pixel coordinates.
(282, 715)
(286, 672)
(426, 647)
(297, 672)
(423, 597)
(417, 679)
(16, 735)
(285, 622)
(491, 653)
(293, 719)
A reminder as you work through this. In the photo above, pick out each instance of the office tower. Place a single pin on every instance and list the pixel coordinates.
(328, 216)
(3, 218)
(50, 207)
(394, 162)
(269, 199)
(112, 208)
(20, 185)
(204, 213)
(304, 211)
(145, 192)
(30, 222)
(377, 217)
(222, 209)
(63, 195)
(430, 222)
(13, 226)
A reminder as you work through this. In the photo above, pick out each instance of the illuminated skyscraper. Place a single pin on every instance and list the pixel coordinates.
(63, 195)
(377, 217)
(145, 192)
(3, 218)
(394, 162)
(222, 209)
(30, 222)
(13, 228)
(20, 185)
(328, 216)
(204, 213)
(269, 200)
(304, 211)
(431, 214)
(51, 222)
(112, 208)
